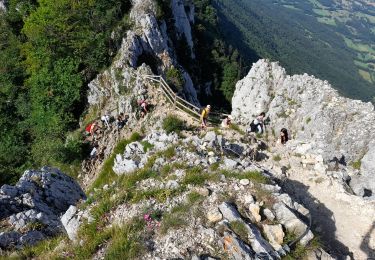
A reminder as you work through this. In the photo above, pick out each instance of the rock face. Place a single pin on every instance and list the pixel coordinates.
(31, 209)
(183, 13)
(316, 116)
(3, 5)
(149, 40)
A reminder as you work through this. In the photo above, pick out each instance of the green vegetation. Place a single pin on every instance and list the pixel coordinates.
(147, 146)
(308, 120)
(173, 124)
(50, 51)
(239, 228)
(216, 62)
(276, 158)
(236, 127)
(299, 251)
(175, 78)
(195, 176)
(254, 176)
(356, 165)
(126, 242)
(176, 218)
(318, 37)
(107, 175)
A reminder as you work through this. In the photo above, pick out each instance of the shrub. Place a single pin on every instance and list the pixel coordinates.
(173, 124)
(147, 146)
(175, 78)
(235, 127)
(239, 228)
(356, 165)
(308, 120)
(276, 158)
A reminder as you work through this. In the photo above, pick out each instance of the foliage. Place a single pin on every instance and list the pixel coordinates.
(125, 241)
(49, 52)
(236, 127)
(356, 165)
(340, 53)
(276, 158)
(175, 78)
(254, 176)
(240, 229)
(147, 146)
(173, 124)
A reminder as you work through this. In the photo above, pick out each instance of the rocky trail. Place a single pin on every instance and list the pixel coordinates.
(343, 221)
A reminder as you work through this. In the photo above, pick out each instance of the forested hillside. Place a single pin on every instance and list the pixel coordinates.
(288, 31)
(49, 51)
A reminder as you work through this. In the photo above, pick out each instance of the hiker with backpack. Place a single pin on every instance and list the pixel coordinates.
(204, 116)
(257, 125)
(121, 120)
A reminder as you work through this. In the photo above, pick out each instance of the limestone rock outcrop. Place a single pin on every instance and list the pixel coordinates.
(124, 81)
(31, 209)
(318, 119)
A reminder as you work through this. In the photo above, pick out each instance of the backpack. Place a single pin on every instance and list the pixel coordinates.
(253, 127)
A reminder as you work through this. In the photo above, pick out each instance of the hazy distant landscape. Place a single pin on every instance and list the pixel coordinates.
(331, 39)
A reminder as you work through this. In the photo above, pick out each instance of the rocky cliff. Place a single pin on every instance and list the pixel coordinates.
(147, 41)
(318, 119)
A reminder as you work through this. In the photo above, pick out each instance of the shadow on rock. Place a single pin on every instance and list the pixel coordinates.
(368, 243)
(323, 223)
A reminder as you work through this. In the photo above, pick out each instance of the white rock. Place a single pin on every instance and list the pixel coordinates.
(275, 235)
(214, 216)
(254, 211)
(244, 182)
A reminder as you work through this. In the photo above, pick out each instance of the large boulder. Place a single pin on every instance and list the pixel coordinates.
(292, 222)
(32, 207)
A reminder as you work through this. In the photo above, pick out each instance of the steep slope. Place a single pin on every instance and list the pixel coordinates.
(289, 32)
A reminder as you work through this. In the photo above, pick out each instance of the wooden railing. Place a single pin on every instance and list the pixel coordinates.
(178, 102)
(181, 104)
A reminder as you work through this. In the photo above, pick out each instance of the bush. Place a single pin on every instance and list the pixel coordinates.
(175, 78)
(356, 165)
(173, 124)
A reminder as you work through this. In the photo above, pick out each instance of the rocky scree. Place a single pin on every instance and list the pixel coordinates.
(193, 205)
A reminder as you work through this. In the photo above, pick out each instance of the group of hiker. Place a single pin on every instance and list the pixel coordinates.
(258, 125)
(94, 130)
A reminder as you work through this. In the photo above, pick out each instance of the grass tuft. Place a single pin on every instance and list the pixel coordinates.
(173, 124)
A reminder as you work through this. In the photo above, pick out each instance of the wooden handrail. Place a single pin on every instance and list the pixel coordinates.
(177, 101)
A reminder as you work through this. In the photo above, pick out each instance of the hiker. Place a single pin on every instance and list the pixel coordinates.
(284, 137)
(227, 122)
(94, 151)
(91, 129)
(105, 119)
(121, 120)
(204, 116)
(143, 107)
(257, 125)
